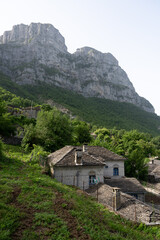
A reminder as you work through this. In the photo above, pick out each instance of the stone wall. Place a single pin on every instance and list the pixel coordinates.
(12, 140)
(78, 175)
(108, 172)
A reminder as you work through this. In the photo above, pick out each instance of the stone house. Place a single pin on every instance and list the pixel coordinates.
(154, 170)
(85, 166)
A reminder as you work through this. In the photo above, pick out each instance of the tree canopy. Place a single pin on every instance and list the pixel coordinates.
(133, 145)
(6, 121)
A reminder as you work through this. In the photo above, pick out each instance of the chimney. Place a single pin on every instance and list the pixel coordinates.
(85, 148)
(78, 157)
(116, 199)
(152, 161)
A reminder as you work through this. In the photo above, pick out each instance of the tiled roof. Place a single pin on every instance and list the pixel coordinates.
(66, 157)
(154, 169)
(93, 156)
(104, 153)
(55, 157)
(87, 160)
(127, 185)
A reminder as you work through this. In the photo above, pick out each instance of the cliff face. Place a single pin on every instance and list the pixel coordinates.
(37, 53)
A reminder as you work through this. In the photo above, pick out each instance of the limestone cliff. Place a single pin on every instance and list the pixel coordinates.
(37, 53)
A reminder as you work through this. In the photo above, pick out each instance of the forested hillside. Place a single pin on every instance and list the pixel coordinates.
(52, 130)
(100, 112)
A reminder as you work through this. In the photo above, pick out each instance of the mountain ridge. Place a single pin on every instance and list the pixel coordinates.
(37, 53)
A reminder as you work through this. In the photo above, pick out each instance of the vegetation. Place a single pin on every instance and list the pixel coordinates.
(81, 132)
(1, 149)
(35, 206)
(100, 112)
(53, 130)
(10, 123)
(12, 99)
(14, 89)
(6, 121)
(135, 146)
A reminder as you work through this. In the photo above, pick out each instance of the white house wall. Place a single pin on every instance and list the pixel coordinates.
(78, 175)
(108, 172)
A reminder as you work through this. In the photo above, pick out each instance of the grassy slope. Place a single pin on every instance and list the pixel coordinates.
(35, 206)
(101, 112)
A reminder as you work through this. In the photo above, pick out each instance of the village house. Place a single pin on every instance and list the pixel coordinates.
(125, 204)
(85, 166)
(129, 186)
(154, 170)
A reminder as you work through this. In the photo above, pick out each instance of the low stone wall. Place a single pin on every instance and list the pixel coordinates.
(12, 140)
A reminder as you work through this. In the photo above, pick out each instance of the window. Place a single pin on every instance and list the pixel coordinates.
(106, 166)
(134, 195)
(115, 171)
(92, 179)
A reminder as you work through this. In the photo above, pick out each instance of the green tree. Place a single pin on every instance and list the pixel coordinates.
(6, 121)
(156, 142)
(136, 149)
(30, 136)
(135, 165)
(38, 156)
(81, 132)
(46, 107)
(1, 149)
(133, 145)
(53, 130)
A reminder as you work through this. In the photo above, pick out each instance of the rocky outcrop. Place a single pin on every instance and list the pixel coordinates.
(37, 53)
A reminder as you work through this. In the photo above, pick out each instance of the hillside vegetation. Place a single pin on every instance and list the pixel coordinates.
(35, 206)
(100, 112)
(52, 130)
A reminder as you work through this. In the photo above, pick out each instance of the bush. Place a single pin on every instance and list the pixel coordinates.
(38, 155)
(1, 149)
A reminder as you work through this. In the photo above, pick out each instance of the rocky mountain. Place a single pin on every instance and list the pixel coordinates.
(37, 53)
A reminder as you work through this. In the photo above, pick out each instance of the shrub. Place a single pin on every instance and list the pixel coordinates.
(1, 149)
(38, 155)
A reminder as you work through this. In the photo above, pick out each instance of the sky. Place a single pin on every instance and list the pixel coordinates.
(129, 29)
